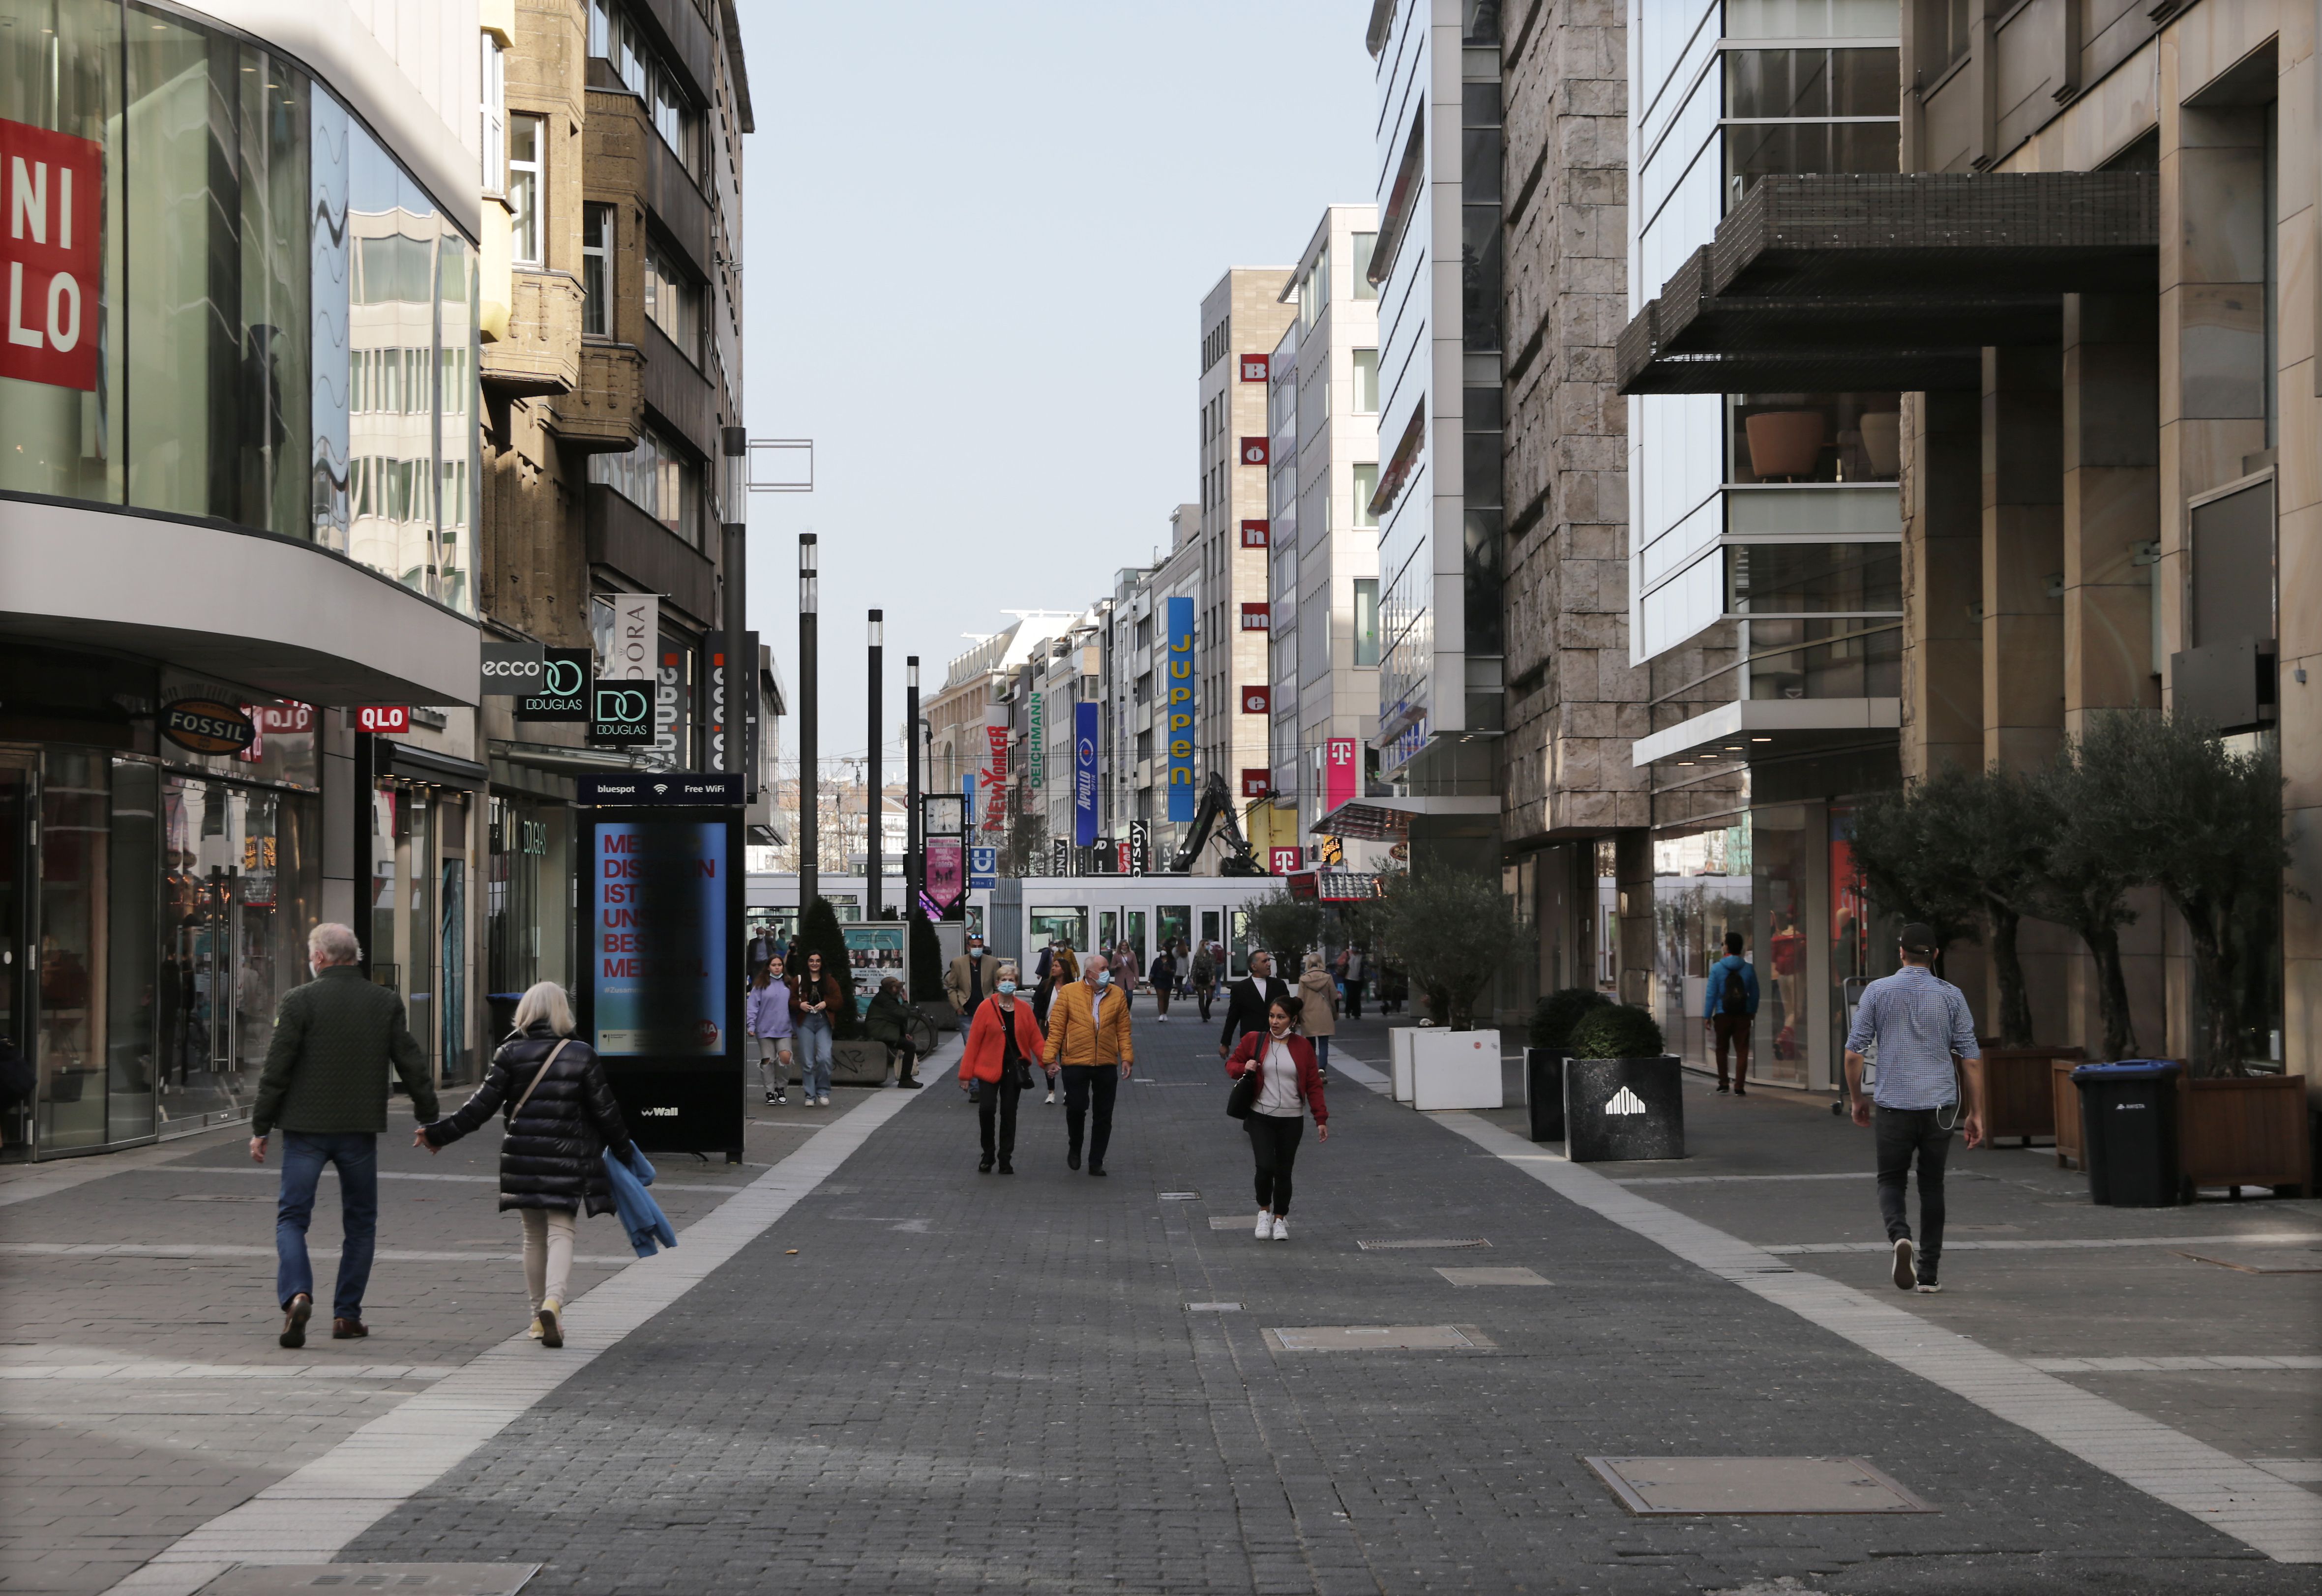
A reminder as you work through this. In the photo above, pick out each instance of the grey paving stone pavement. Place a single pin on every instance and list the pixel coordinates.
(971, 1384)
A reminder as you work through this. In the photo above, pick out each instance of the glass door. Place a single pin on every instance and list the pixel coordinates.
(15, 851)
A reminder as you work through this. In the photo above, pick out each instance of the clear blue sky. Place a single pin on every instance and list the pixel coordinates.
(976, 240)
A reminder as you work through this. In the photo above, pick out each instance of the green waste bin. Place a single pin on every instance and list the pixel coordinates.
(2128, 1133)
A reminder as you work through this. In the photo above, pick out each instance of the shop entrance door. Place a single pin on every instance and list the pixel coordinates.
(201, 1074)
(15, 910)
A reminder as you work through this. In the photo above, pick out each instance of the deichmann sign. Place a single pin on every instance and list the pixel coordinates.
(513, 669)
(48, 252)
(1179, 706)
(208, 725)
(1036, 758)
(563, 694)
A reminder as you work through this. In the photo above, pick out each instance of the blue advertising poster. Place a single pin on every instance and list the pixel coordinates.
(967, 791)
(659, 959)
(1180, 708)
(1084, 735)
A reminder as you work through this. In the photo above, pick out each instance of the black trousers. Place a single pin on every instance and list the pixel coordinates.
(1082, 1082)
(1274, 1140)
(1354, 997)
(1900, 1134)
(1204, 995)
(998, 1098)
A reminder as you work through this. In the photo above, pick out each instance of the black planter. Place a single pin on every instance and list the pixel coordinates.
(1544, 1092)
(1618, 1110)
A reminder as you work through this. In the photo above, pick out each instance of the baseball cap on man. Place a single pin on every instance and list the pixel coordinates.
(1919, 937)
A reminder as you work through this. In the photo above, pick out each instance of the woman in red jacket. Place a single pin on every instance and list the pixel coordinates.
(1289, 1085)
(1003, 1041)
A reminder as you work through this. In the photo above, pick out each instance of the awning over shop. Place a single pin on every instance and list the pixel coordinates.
(1362, 822)
(1820, 284)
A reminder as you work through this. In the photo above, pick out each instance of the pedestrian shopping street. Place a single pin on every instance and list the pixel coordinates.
(868, 1368)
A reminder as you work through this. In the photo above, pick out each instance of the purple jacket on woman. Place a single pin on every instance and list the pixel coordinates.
(766, 1010)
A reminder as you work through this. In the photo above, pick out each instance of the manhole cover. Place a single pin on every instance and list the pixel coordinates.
(1666, 1485)
(1213, 1307)
(1184, 1197)
(1399, 1244)
(440, 1579)
(1491, 1277)
(1377, 1338)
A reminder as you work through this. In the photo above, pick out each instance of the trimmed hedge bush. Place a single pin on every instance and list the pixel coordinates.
(1554, 1016)
(1616, 1031)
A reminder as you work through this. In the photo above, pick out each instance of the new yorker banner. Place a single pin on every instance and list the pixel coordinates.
(1178, 703)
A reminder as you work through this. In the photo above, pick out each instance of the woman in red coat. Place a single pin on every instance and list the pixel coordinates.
(1289, 1085)
(1003, 1041)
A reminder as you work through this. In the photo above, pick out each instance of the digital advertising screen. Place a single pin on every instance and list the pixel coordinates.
(659, 954)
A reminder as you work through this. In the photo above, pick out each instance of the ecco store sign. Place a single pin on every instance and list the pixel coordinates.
(52, 188)
(514, 669)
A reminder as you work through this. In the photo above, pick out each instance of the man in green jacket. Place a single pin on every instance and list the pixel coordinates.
(325, 1085)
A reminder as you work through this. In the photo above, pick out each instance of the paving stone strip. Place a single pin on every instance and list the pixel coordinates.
(311, 1516)
(2252, 1506)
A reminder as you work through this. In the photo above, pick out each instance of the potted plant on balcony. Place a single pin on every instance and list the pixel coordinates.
(2203, 823)
(1623, 1095)
(1547, 1044)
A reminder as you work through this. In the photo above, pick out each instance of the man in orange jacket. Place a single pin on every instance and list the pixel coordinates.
(1088, 1037)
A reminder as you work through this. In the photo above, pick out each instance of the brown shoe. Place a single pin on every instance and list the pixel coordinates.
(293, 1320)
(347, 1329)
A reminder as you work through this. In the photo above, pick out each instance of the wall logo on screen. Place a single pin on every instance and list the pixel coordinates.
(207, 726)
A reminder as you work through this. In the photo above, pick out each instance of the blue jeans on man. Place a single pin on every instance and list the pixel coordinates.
(355, 1154)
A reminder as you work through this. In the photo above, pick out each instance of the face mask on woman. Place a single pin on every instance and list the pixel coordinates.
(1006, 988)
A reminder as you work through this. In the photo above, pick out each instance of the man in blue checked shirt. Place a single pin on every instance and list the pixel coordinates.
(1917, 1022)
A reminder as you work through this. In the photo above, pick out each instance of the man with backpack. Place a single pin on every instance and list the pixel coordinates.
(1731, 1008)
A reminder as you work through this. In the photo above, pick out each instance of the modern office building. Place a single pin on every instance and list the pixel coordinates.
(2021, 429)
(1242, 319)
(1178, 575)
(237, 499)
(1323, 539)
(1436, 266)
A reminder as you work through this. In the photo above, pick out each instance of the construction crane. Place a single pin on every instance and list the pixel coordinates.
(1215, 813)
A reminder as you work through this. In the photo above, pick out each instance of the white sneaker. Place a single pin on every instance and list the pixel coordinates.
(1051, 1102)
(1281, 1228)
(1265, 1226)
(826, 1099)
(1904, 1274)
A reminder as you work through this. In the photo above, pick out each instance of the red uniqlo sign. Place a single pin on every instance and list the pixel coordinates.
(1253, 452)
(1257, 617)
(1256, 534)
(1257, 368)
(1257, 700)
(383, 717)
(1258, 783)
(52, 189)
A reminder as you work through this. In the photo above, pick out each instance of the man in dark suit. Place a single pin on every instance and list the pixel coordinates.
(1247, 1000)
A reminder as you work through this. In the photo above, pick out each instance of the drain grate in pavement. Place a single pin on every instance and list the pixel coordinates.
(1377, 1338)
(1213, 1307)
(1492, 1277)
(1657, 1486)
(1399, 1244)
(2258, 1262)
(1242, 1222)
(436, 1579)
(214, 1197)
(1183, 1197)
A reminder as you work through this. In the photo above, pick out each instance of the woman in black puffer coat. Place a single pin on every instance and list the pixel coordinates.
(551, 1161)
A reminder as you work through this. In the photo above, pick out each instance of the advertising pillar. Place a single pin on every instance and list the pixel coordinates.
(661, 931)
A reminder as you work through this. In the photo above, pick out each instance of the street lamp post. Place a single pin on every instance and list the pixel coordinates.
(810, 727)
(739, 674)
(914, 868)
(873, 804)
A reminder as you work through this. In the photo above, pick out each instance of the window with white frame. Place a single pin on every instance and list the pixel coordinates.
(596, 271)
(495, 114)
(1366, 382)
(525, 161)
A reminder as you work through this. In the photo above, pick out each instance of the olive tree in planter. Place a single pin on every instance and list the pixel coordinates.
(1284, 926)
(1547, 1043)
(2175, 806)
(1451, 931)
(2077, 880)
(1623, 1095)
(1918, 851)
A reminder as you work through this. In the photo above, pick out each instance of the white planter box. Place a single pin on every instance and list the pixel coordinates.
(1455, 1069)
(1398, 1048)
